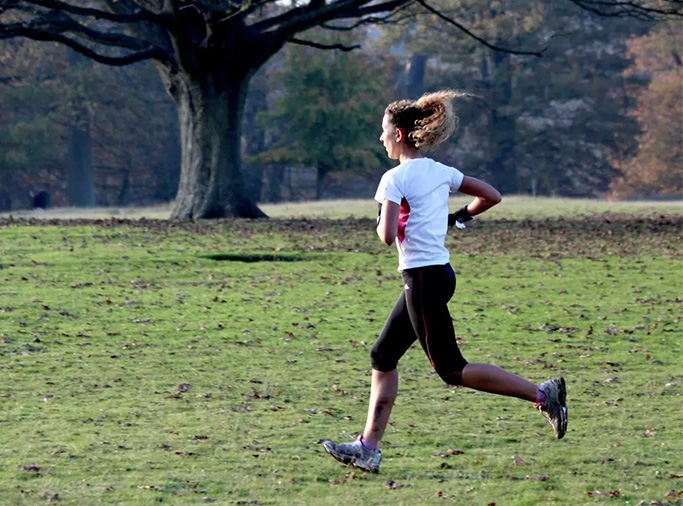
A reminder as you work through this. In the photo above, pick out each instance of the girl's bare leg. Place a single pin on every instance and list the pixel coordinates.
(382, 396)
(491, 378)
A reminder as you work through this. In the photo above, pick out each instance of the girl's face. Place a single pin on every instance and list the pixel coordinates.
(390, 137)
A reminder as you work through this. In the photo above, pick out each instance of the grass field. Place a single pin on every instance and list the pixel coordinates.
(516, 207)
(146, 362)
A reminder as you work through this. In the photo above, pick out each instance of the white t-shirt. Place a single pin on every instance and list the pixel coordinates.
(421, 187)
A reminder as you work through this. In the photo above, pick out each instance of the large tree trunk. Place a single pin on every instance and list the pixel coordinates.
(255, 142)
(415, 79)
(210, 112)
(319, 183)
(501, 164)
(275, 175)
(81, 185)
(80, 180)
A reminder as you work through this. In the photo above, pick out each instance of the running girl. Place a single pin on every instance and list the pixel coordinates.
(413, 201)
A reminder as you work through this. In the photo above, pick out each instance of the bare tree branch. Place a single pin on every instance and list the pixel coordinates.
(377, 8)
(141, 14)
(46, 34)
(246, 9)
(475, 37)
(308, 15)
(337, 10)
(370, 20)
(65, 23)
(341, 47)
(644, 9)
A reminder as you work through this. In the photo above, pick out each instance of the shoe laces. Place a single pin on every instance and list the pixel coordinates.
(355, 438)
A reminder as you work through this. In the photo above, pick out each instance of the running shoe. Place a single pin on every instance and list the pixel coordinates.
(355, 454)
(555, 408)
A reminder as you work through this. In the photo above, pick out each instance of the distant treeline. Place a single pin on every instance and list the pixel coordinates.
(599, 113)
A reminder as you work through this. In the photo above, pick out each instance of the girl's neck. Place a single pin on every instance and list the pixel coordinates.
(409, 154)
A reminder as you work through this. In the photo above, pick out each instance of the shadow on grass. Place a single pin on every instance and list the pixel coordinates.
(256, 257)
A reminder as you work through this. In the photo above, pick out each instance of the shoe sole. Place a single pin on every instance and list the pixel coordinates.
(563, 418)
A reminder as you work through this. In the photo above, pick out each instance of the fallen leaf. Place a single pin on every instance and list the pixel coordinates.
(392, 485)
(518, 460)
(599, 493)
(32, 468)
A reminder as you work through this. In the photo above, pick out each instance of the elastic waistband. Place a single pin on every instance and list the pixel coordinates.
(427, 267)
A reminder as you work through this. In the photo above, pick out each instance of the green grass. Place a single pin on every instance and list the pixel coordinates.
(146, 362)
(515, 207)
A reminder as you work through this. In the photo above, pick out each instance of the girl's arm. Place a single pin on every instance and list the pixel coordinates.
(387, 228)
(485, 195)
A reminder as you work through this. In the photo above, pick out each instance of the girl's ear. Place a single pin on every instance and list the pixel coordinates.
(400, 134)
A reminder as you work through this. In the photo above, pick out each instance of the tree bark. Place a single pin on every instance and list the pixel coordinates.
(275, 175)
(210, 112)
(81, 185)
(416, 76)
(320, 182)
(255, 141)
(501, 165)
(124, 193)
(80, 180)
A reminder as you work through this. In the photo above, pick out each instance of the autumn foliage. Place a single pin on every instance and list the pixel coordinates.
(657, 166)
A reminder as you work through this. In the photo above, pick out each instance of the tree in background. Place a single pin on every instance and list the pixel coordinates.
(657, 167)
(31, 148)
(329, 112)
(539, 123)
(117, 119)
(206, 53)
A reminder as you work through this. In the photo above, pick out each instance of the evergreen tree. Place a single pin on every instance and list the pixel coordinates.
(329, 112)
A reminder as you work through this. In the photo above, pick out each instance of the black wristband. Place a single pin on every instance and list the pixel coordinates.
(462, 215)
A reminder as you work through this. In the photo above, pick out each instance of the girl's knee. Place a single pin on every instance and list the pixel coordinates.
(380, 361)
(452, 375)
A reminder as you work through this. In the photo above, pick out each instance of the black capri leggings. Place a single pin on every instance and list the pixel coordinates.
(421, 313)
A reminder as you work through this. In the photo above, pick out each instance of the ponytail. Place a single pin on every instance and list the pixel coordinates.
(427, 121)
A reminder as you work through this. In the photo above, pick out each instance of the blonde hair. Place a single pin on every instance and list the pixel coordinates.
(428, 120)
